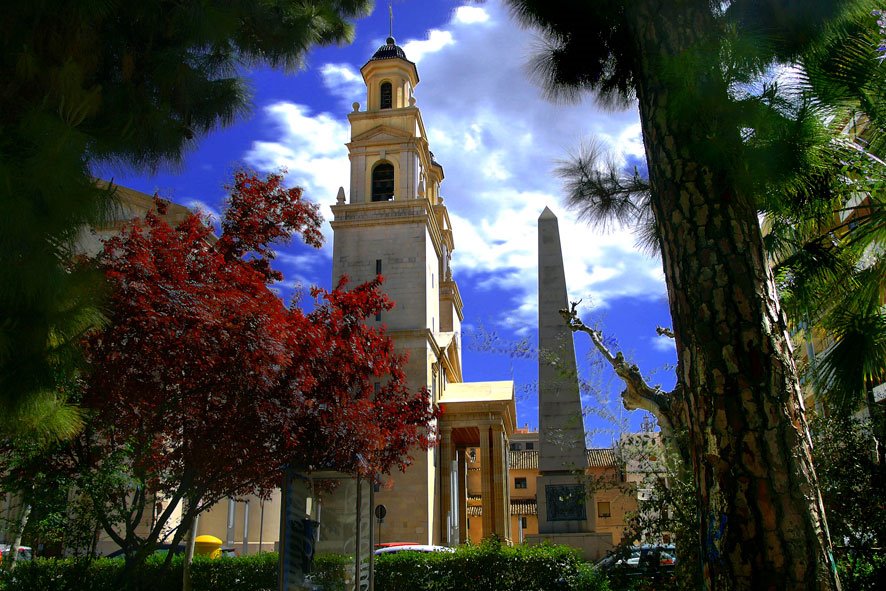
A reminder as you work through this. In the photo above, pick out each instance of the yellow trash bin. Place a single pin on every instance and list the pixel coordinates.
(207, 545)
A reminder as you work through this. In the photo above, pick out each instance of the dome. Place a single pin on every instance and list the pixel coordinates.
(389, 50)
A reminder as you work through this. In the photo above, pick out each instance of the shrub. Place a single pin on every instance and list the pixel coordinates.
(328, 571)
(256, 572)
(862, 571)
(246, 573)
(488, 567)
(79, 574)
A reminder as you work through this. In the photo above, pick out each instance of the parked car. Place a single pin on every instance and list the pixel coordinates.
(161, 549)
(24, 552)
(650, 562)
(412, 548)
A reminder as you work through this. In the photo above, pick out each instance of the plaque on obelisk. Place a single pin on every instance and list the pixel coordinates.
(563, 503)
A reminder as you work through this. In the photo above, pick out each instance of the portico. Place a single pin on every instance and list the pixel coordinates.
(479, 416)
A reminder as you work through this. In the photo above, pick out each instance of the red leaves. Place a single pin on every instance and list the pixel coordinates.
(262, 212)
(204, 373)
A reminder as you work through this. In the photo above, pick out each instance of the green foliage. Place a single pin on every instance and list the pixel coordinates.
(851, 479)
(489, 566)
(862, 571)
(328, 571)
(90, 84)
(246, 573)
(103, 574)
(672, 510)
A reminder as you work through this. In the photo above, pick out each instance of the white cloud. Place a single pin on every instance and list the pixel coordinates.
(498, 142)
(311, 149)
(298, 261)
(663, 343)
(417, 49)
(343, 81)
(469, 15)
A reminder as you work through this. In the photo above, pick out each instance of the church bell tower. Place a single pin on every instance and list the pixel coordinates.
(393, 223)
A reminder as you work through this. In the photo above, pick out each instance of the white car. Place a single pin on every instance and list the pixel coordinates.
(413, 548)
(24, 552)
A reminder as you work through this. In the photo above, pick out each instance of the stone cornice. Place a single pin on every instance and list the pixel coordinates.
(449, 291)
(396, 211)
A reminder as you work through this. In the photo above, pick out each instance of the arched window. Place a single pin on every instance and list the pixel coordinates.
(387, 95)
(383, 182)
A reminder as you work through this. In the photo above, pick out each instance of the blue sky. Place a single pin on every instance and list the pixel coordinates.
(499, 142)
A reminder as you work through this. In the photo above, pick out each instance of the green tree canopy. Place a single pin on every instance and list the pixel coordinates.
(118, 82)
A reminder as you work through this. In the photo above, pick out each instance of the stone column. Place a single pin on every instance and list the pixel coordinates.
(500, 482)
(486, 489)
(445, 481)
(462, 495)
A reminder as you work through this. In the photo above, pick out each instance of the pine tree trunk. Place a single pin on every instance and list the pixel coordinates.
(762, 519)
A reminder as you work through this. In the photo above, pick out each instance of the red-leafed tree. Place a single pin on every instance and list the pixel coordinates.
(205, 384)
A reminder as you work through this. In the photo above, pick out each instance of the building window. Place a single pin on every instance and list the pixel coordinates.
(378, 266)
(604, 509)
(376, 387)
(523, 523)
(515, 447)
(519, 483)
(530, 445)
(383, 182)
(387, 95)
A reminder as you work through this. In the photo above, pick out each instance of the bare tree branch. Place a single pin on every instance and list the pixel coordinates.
(638, 394)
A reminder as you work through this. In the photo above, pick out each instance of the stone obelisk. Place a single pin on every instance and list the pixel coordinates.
(561, 426)
(565, 509)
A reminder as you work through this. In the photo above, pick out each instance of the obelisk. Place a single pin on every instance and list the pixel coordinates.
(562, 498)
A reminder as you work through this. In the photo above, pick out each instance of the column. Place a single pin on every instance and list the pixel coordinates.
(499, 482)
(462, 495)
(486, 467)
(445, 480)
(506, 483)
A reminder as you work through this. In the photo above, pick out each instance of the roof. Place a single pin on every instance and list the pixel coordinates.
(523, 460)
(528, 459)
(518, 507)
(601, 457)
(390, 50)
(524, 507)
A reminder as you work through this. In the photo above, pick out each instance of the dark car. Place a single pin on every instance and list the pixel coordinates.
(649, 562)
(160, 549)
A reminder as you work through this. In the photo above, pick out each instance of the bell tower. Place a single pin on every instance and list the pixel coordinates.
(390, 159)
(393, 223)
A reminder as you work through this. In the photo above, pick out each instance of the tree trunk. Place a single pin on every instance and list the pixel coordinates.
(189, 554)
(19, 532)
(762, 519)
